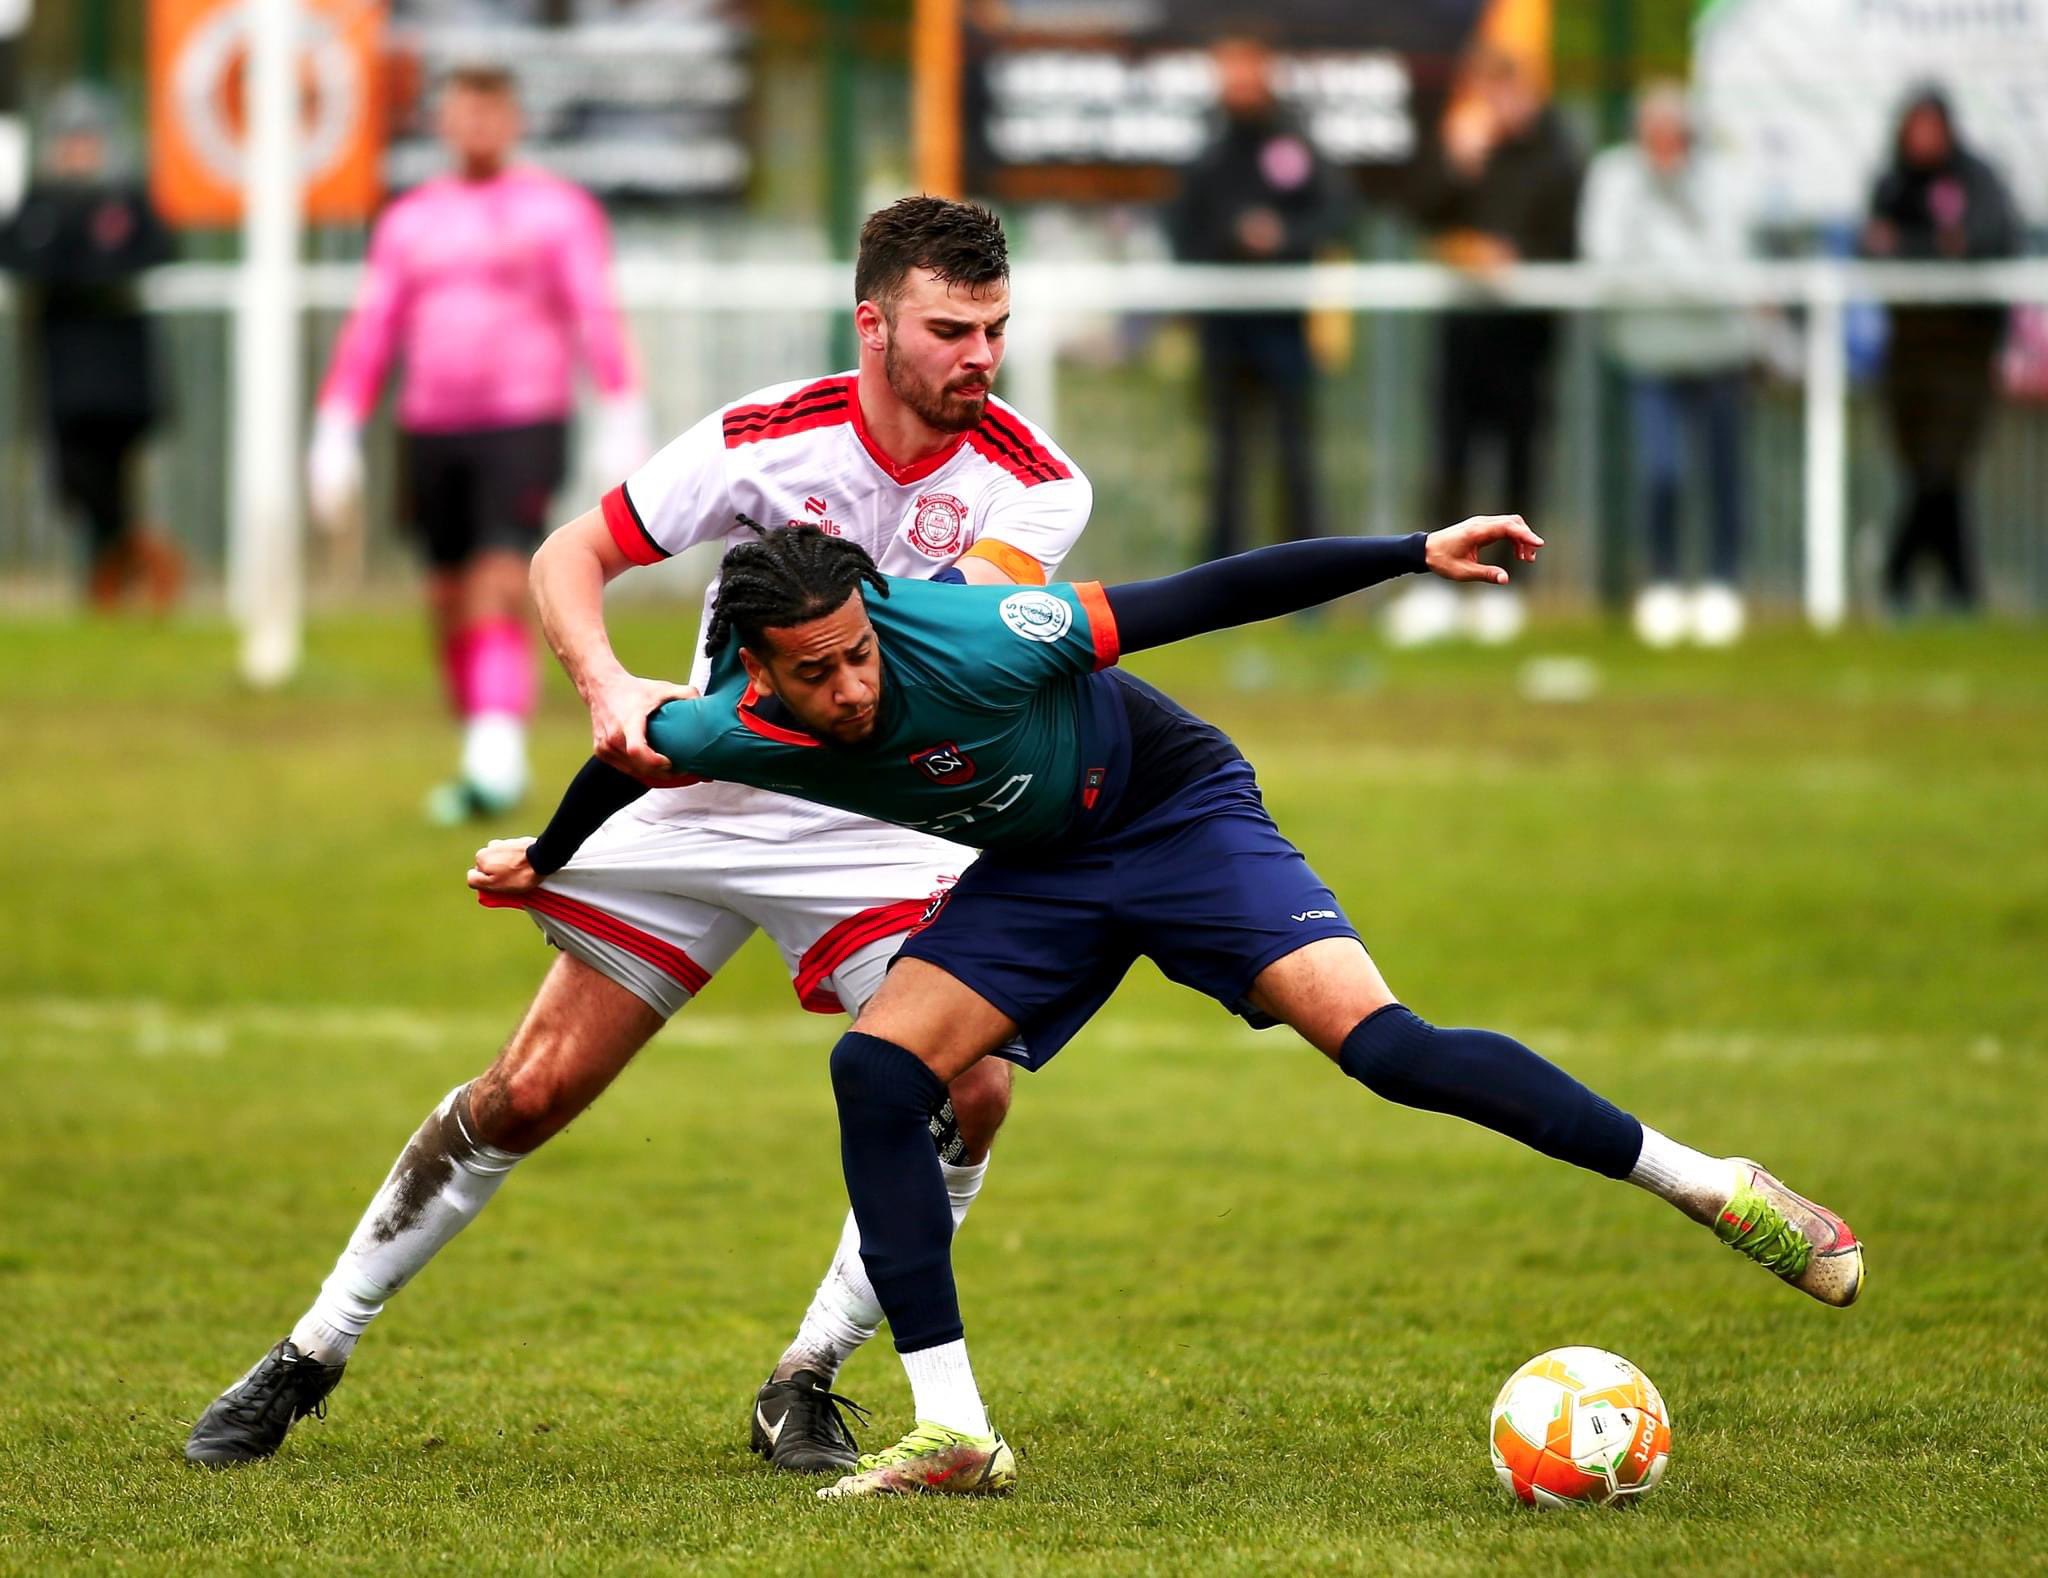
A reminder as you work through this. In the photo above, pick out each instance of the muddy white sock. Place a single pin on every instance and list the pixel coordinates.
(1698, 1184)
(844, 1313)
(442, 1179)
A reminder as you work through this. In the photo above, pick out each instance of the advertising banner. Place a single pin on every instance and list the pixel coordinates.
(198, 52)
(630, 99)
(1072, 100)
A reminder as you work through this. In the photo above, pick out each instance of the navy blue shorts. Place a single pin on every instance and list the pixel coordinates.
(1204, 886)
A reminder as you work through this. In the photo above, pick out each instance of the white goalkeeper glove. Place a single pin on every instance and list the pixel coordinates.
(334, 469)
(621, 436)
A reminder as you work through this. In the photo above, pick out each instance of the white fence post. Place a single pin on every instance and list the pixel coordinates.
(1030, 378)
(1827, 452)
(263, 545)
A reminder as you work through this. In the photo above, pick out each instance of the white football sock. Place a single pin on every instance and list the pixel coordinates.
(1698, 1184)
(443, 1178)
(962, 1185)
(942, 1388)
(494, 756)
(844, 1312)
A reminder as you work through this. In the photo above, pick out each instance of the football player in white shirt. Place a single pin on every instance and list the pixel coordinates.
(913, 457)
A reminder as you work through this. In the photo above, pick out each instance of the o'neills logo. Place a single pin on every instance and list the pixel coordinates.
(940, 525)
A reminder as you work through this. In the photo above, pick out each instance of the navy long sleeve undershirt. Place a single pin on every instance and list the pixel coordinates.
(1262, 584)
(1241, 590)
(597, 790)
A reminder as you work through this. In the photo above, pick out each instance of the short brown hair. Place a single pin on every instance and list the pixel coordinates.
(962, 243)
(483, 77)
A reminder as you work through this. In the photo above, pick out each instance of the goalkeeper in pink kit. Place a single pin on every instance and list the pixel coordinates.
(488, 283)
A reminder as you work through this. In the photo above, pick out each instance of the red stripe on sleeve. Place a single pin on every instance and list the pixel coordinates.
(1101, 622)
(634, 540)
(825, 403)
(1028, 463)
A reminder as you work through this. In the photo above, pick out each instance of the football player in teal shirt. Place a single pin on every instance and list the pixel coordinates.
(1114, 825)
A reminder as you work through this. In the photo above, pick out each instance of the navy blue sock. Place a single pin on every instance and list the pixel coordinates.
(886, 1100)
(1493, 1080)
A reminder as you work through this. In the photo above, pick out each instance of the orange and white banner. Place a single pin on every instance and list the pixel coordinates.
(198, 55)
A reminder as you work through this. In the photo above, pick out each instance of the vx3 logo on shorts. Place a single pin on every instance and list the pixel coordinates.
(944, 764)
(1309, 915)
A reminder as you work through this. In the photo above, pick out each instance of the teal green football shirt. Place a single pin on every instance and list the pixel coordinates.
(980, 735)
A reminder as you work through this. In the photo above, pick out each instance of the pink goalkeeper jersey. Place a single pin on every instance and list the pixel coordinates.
(485, 289)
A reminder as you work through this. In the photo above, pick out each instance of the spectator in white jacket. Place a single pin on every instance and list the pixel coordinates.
(1660, 206)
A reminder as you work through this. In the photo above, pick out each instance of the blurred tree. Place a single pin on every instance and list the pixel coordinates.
(1659, 34)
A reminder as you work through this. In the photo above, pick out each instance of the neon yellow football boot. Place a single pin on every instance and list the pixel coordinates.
(932, 1461)
(1788, 1235)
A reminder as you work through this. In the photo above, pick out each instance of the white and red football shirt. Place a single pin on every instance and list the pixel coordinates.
(798, 454)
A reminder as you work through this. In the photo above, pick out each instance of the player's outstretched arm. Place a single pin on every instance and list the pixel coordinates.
(1291, 576)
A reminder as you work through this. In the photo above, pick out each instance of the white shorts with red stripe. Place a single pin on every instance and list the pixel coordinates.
(659, 906)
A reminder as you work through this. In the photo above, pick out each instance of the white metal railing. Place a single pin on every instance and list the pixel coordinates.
(746, 285)
(1046, 293)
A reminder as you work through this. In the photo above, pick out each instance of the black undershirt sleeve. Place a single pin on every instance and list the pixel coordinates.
(593, 794)
(1262, 584)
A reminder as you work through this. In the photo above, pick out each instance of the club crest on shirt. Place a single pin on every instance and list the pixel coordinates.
(944, 764)
(1036, 616)
(938, 527)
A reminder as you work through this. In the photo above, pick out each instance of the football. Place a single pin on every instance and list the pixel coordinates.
(1579, 1427)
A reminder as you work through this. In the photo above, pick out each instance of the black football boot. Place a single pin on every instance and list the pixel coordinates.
(249, 1420)
(797, 1425)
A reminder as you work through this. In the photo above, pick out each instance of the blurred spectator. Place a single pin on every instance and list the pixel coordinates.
(82, 234)
(1938, 202)
(488, 282)
(1504, 189)
(1260, 193)
(1659, 206)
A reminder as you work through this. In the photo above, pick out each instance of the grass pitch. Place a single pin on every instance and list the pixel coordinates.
(1236, 1315)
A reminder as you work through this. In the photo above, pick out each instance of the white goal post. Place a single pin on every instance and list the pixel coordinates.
(264, 578)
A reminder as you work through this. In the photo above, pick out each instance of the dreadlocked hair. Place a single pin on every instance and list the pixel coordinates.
(787, 577)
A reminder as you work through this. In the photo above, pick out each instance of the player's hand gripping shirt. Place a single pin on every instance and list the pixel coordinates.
(981, 734)
(800, 454)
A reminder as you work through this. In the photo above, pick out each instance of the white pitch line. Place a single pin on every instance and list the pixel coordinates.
(149, 1028)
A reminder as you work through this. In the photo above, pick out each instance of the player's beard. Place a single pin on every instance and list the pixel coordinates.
(935, 405)
(843, 731)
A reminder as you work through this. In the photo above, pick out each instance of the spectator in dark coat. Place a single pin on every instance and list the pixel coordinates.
(77, 243)
(1503, 189)
(1938, 202)
(1260, 193)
